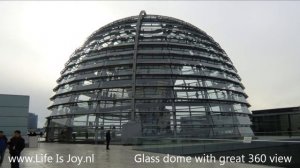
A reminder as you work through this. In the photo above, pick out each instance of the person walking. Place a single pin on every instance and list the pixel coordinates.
(3, 145)
(16, 145)
(108, 138)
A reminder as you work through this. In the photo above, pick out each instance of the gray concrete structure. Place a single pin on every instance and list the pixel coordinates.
(13, 113)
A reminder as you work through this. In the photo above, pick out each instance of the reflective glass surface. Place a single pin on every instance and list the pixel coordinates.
(173, 77)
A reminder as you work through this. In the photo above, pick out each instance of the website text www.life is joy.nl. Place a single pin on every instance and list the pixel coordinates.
(57, 158)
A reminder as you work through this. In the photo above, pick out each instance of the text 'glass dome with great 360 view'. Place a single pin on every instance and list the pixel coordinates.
(146, 76)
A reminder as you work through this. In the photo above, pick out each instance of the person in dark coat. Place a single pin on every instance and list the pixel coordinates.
(3, 145)
(16, 145)
(108, 138)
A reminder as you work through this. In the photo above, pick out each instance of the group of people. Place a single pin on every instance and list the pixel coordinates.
(15, 145)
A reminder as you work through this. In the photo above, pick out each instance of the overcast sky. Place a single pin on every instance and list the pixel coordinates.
(261, 38)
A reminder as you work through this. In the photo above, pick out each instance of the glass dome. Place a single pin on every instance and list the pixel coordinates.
(149, 75)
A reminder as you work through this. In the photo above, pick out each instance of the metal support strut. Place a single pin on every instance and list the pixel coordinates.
(136, 44)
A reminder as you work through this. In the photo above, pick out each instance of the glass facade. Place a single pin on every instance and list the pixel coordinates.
(164, 74)
(277, 122)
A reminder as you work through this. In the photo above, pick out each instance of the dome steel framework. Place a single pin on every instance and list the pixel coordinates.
(149, 75)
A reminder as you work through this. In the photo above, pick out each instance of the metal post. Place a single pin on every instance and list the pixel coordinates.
(96, 128)
(87, 127)
(290, 126)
